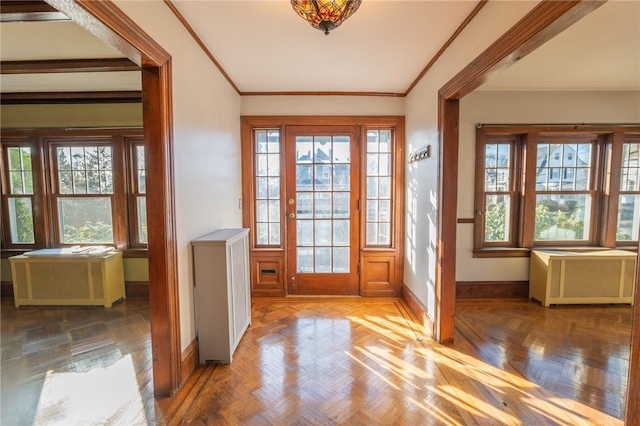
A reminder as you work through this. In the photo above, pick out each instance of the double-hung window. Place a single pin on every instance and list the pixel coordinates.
(557, 186)
(73, 187)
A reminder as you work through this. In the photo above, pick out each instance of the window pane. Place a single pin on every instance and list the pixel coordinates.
(628, 218)
(304, 178)
(140, 168)
(341, 149)
(323, 232)
(575, 175)
(341, 232)
(21, 221)
(304, 259)
(341, 259)
(323, 259)
(497, 173)
(267, 186)
(142, 220)
(340, 205)
(16, 183)
(497, 218)
(305, 232)
(85, 220)
(562, 217)
(322, 206)
(630, 167)
(322, 178)
(341, 177)
(304, 209)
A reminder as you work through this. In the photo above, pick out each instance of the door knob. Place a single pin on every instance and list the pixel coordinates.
(292, 215)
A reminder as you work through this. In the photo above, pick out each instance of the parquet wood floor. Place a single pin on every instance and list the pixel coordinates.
(329, 361)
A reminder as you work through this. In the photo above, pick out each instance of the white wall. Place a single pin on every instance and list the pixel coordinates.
(421, 111)
(206, 124)
(524, 108)
(322, 105)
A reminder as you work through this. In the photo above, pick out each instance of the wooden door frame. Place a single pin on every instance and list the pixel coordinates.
(105, 20)
(545, 21)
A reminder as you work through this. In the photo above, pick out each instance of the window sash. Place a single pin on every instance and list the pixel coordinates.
(46, 188)
(268, 187)
(378, 187)
(601, 185)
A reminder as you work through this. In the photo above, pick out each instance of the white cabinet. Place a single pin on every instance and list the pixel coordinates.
(222, 299)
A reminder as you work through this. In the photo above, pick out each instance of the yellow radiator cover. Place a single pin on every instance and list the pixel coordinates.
(68, 281)
(557, 277)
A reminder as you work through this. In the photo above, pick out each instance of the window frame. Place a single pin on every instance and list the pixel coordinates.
(133, 192)
(43, 143)
(604, 185)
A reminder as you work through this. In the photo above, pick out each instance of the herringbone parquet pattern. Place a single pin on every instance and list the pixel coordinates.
(368, 364)
(325, 361)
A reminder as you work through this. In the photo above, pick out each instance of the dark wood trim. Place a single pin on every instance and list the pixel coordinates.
(611, 189)
(137, 290)
(445, 46)
(544, 22)
(200, 43)
(110, 24)
(528, 204)
(633, 382)
(418, 309)
(466, 220)
(325, 93)
(6, 291)
(29, 11)
(588, 129)
(189, 358)
(105, 97)
(448, 116)
(492, 289)
(55, 66)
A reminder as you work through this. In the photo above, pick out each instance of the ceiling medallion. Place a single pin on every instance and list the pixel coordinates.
(325, 15)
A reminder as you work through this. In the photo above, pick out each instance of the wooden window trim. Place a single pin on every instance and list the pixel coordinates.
(604, 185)
(44, 166)
(133, 191)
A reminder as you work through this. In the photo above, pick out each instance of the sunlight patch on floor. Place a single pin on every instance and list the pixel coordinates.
(99, 396)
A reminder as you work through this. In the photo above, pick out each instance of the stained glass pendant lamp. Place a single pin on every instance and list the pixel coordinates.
(325, 15)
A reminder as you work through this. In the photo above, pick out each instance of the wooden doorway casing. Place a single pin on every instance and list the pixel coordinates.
(544, 22)
(381, 268)
(105, 20)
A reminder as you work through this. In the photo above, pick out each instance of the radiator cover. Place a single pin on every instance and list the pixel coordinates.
(68, 281)
(559, 277)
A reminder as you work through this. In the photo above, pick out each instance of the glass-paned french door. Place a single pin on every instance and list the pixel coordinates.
(322, 190)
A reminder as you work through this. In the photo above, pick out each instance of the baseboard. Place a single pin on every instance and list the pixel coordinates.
(418, 309)
(189, 359)
(492, 289)
(137, 290)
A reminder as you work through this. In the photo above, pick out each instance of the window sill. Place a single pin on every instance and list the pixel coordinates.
(127, 254)
(526, 252)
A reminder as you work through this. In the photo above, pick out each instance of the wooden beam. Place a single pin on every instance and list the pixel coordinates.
(448, 116)
(108, 97)
(633, 383)
(67, 65)
(29, 11)
(105, 20)
(544, 22)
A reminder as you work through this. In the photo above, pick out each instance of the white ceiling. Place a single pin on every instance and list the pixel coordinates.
(265, 47)
(599, 52)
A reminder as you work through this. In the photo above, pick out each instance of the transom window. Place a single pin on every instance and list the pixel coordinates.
(558, 187)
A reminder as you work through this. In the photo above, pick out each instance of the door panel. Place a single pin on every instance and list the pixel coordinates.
(322, 190)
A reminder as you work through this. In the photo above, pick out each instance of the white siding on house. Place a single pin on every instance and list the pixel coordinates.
(525, 108)
(206, 123)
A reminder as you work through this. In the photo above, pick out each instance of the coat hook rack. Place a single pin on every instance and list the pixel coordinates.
(420, 154)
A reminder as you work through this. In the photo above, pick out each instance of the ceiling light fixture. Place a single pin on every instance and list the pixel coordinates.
(325, 15)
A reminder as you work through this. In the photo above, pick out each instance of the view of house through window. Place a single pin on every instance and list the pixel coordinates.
(324, 204)
(76, 189)
(559, 197)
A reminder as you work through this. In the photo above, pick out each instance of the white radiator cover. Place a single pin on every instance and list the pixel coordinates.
(559, 277)
(222, 295)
